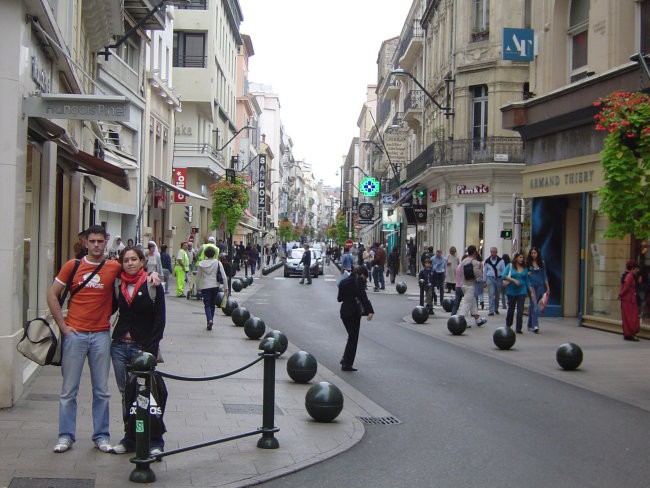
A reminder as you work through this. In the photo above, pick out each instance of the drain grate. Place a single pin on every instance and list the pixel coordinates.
(248, 409)
(380, 420)
(51, 483)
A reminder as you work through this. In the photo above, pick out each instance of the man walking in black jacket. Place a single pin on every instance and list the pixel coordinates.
(306, 265)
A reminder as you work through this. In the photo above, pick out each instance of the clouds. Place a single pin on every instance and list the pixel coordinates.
(319, 58)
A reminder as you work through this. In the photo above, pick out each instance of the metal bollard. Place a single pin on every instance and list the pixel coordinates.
(271, 348)
(422, 289)
(143, 366)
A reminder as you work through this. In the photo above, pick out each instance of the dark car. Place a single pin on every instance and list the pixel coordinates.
(292, 266)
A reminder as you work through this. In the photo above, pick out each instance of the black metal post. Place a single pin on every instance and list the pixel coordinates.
(142, 473)
(268, 440)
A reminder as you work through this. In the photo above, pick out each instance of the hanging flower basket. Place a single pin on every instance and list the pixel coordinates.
(228, 203)
(625, 158)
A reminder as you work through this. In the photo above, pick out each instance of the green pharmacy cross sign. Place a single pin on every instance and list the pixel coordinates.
(369, 187)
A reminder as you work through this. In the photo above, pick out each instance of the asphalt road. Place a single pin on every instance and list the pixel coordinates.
(467, 420)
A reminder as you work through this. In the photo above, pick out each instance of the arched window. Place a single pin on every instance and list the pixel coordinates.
(578, 38)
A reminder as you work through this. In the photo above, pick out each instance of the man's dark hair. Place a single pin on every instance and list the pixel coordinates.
(471, 250)
(209, 252)
(96, 229)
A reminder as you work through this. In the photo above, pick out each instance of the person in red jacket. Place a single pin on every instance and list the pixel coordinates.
(629, 304)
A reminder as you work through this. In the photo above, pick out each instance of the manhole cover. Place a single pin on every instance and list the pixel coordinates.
(380, 420)
(51, 483)
(247, 409)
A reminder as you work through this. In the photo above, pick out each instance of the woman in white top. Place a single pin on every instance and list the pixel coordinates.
(152, 256)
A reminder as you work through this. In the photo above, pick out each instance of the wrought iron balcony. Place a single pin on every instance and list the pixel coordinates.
(468, 151)
(200, 155)
(414, 100)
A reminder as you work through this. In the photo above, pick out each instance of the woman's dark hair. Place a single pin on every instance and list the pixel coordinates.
(516, 255)
(136, 250)
(631, 264)
(209, 252)
(360, 271)
(506, 259)
(529, 259)
(163, 248)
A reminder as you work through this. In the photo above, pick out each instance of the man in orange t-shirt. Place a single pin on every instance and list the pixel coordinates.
(85, 333)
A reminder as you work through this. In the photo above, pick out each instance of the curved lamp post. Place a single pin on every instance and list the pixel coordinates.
(446, 110)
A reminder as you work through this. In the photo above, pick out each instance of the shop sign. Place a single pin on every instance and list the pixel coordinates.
(472, 190)
(180, 180)
(388, 199)
(578, 175)
(261, 190)
(78, 107)
(40, 77)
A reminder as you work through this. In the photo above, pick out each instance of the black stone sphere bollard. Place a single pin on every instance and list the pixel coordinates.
(281, 338)
(230, 306)
(324, 402)
(254, 327)
(237, 285)
(447, 304)
(569, 356)
(265, 270)
(239, 316)
(401, 287)
(420, 314)
(249, 280)
(504, 338)
(456, 324)
(219, 298)
(302, 367)
(244, 281)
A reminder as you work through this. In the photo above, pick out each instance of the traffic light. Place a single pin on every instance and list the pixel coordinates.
(506, 234)
(188, 213)
(520, 210)
(419, 193)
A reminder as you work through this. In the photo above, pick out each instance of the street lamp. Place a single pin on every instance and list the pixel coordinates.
(361, 169)
(446, 110)
(235, 135)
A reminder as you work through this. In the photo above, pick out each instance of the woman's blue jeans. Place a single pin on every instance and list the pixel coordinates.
(209, 302)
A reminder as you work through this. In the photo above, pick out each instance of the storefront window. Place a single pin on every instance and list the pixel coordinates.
(474, 226)
(604, 264)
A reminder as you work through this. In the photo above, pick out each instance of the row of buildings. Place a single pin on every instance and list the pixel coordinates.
(484, 109)
(124, 113)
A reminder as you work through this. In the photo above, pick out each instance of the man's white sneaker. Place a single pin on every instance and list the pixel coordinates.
(103, 445)
(63, 444)
(155, 451)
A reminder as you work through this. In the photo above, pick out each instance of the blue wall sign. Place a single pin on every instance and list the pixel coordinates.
(518, 44)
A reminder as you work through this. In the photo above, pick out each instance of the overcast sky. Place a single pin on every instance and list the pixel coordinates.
(319, 58)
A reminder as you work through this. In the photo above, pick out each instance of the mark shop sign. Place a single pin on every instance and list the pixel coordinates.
(261, 192)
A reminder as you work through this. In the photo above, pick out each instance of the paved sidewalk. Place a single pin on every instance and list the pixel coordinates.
(611, 366)
(196, 412)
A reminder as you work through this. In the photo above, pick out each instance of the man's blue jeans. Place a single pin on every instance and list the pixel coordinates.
(378, 276)
(76, 348)
(494, 289)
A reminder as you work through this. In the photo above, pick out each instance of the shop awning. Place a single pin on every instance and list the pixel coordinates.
(49, 131)
(178, 189)
(250, 227)
(97, 167)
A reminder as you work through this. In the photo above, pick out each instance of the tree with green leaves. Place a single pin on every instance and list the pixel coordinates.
(285, 229)
(626, 163)
(341, 227)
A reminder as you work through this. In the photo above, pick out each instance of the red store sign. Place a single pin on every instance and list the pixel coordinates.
(180, 178)
(472, 190)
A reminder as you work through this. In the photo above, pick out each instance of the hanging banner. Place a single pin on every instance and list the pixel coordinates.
(261, 191)
(180, 179)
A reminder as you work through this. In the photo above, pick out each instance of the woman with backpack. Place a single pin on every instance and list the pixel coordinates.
(516, 275)
(140, 327)
(210, 277)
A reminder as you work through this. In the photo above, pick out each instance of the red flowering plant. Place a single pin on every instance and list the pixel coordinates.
(228, 203)
(626, 163)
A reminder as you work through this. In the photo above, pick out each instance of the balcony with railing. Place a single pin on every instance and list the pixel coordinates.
(413, 103)
(410, 45)
(138, 10)
(187, 61)
(194, 5)
(200, 155)
(468, 151)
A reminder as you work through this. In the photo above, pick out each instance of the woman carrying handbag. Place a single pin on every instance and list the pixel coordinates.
(354, 305)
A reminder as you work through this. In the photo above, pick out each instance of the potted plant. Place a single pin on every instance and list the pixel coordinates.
(228, 203)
